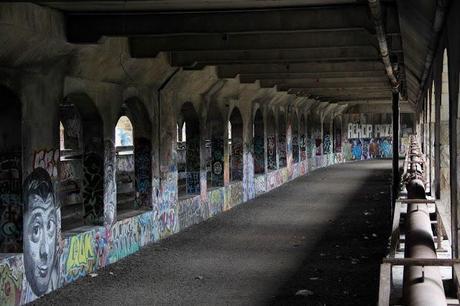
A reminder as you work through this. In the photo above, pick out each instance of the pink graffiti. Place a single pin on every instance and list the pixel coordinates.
(48, 160)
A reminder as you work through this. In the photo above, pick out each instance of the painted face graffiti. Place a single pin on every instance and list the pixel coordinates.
(40, 232)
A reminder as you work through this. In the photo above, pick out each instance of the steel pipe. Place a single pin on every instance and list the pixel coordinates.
(376, 12)
(422, 286)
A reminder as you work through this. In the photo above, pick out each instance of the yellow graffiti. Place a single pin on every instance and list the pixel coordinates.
(10, 286)
(81, 257)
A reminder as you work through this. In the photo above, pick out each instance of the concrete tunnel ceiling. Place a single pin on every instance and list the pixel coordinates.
(321, 49)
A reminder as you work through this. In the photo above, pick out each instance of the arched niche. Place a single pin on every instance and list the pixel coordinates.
(236, 145)
(133, 144)
(188, 150)
(81, 162)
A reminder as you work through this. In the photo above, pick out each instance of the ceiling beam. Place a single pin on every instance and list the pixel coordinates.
(251, 77)
(214, 57)
(231, 71)
(90, 27)
(150, 46)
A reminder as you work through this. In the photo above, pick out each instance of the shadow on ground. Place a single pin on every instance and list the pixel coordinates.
(325, 233)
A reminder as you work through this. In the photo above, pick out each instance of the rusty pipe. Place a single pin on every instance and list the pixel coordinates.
(422, 286)
(376, 12)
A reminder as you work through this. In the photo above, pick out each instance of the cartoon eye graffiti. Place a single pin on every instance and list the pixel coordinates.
(35, 232)
(50, 227)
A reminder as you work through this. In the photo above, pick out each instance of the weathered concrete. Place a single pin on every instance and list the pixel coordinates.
(325, 232)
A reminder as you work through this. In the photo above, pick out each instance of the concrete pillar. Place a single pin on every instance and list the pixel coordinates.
(453, 50)
(444, 182)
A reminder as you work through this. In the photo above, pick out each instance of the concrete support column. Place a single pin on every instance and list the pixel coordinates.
(248, 158)
(203, 160)
(444, 182)
(453, 51)
(265, 114)
(396, 138)
(322, 134)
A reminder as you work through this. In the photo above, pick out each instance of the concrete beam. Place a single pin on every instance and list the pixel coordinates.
(150, 46)
(381, 81)
(215, 57)
(231, 71)
(251, 77)
(90, 27)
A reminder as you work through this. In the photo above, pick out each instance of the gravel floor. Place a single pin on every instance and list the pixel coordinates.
(321, 236)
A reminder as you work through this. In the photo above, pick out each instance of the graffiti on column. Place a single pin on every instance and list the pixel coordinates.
(10, 203)
(259, 164)
(271, 152)
(40, 235)
(217, 151)
(110, 184)
(143, 171)
(93, 186)
(303, 147)
(48, 160)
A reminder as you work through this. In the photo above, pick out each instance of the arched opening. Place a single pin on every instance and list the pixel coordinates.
(235, 136)
(188, 151)
(282, 139)
(133, 159)
(259, 143)
(303, 139)
(215, 150)
(295, 138)
(125, 178)
(10, 172)
(81, 163)
(271, 141)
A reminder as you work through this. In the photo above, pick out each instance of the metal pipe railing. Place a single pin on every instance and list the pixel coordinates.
(421, 285)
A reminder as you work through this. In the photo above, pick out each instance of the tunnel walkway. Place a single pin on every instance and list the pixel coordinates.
(324, 233)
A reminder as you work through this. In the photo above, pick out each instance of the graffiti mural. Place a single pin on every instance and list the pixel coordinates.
(217, 153)
(148, 231)
(271, 152)
(327, 144)
(93, 186)
(48, 160)
(125, 239)
(190, 212)
(143, 171)
(40, 234)
(79, 256)
(216, 201)
(11, 278)
(10, 204)
(259, 184)
(110, 184)
(167, 215)
(236, 159)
